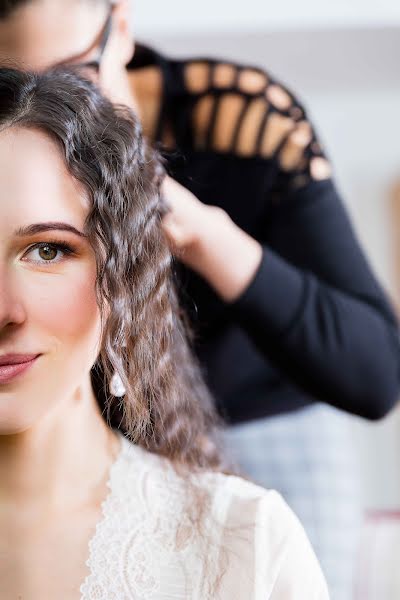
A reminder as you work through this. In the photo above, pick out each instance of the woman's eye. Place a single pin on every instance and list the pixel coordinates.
(48, 253)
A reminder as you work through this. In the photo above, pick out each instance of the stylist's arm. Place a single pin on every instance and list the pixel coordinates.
(206, 239)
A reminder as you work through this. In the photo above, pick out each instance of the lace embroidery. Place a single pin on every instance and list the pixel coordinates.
(144, 545)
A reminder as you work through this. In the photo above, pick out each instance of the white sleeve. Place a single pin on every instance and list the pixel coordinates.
(267, 553)
(299, 576)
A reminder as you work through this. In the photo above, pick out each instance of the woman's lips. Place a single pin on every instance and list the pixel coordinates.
(10, 372)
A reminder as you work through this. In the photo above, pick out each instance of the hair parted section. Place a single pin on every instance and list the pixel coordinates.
(167, 408)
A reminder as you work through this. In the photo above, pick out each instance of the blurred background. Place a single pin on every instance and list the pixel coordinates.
(342, 59)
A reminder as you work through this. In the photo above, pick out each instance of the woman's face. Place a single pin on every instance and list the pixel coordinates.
(47, 294)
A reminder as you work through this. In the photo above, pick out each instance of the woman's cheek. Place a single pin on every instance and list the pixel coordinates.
(62, 322)
(63, 304)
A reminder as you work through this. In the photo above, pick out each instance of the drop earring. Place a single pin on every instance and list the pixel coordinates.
(117, 388)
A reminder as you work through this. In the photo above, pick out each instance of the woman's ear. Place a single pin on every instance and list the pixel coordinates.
(122, 14)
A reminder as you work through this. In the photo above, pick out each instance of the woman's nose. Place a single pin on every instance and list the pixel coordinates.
(11, 305)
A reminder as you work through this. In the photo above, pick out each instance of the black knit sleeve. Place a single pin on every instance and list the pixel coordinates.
(316, 310)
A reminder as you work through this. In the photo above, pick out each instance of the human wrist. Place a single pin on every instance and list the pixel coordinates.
(225, 255)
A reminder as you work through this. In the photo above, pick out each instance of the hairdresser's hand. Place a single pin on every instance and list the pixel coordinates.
(207, 240)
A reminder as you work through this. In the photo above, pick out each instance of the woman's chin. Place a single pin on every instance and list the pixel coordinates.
(15, 416)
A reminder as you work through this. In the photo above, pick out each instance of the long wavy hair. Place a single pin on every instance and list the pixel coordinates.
(167, 408)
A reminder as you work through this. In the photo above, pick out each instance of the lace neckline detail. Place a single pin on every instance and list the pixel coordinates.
(145, 545)
(125, 448)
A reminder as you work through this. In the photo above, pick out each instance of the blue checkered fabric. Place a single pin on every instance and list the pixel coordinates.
(309, 457)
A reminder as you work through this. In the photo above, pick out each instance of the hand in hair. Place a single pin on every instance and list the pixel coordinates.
(207, 240)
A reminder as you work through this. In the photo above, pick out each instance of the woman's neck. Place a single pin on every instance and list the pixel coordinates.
(59, 464)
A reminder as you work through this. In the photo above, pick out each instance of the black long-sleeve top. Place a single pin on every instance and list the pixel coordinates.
(314, 324)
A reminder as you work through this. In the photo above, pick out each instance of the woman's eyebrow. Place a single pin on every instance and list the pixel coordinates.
(35, 228)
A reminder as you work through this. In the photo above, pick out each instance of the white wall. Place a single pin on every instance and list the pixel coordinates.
(177, 16)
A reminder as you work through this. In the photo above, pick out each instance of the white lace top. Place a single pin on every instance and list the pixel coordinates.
(153, 544)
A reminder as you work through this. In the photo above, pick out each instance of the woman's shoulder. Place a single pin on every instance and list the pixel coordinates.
(239, 504)
(269, 551)
(244, 536)
(243, 110)
(230, 499)
(248, 497)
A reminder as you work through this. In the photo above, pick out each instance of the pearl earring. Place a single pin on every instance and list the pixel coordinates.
(117, 388)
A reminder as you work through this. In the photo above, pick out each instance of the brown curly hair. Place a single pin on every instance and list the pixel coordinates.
(167, 408)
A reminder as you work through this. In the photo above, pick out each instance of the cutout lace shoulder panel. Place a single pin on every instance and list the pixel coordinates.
(244, 111)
